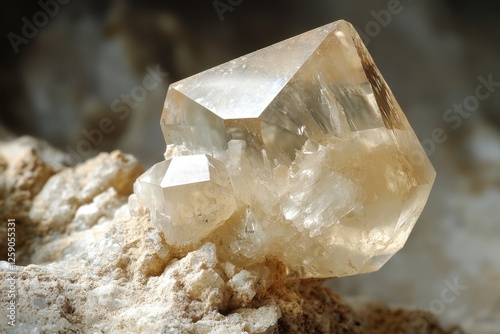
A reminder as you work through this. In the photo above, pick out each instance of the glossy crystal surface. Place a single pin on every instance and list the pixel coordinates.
(316, 163)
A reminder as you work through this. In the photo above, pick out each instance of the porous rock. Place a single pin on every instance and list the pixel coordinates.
(92, 267)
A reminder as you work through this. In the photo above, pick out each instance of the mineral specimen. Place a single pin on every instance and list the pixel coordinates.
(297, 152)
(85, 265)
(192, 193)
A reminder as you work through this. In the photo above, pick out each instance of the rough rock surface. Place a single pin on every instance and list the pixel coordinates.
(86, 265)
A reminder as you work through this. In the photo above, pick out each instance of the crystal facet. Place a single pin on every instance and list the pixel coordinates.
(297, 152)
(192, 194)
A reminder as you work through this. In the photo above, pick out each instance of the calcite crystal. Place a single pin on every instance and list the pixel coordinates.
(192, 194)
(297, 152)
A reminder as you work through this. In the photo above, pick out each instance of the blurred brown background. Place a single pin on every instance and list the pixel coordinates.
(68, 65)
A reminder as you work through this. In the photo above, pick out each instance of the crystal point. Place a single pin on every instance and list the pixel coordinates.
(298, 151)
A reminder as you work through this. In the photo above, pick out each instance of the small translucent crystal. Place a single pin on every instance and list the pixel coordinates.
(297, 152)
(190, 196)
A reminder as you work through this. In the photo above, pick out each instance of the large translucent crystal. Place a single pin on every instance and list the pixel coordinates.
(324, 172)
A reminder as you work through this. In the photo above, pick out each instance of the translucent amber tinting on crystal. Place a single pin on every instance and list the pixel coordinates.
(317, 165)
(190, 196)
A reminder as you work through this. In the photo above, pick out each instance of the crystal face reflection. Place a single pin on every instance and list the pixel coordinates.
(303, 144)
(190, 195)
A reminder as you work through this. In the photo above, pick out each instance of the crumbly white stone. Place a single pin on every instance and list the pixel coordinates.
(116, 274)
(53, 208)
(97, 269)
